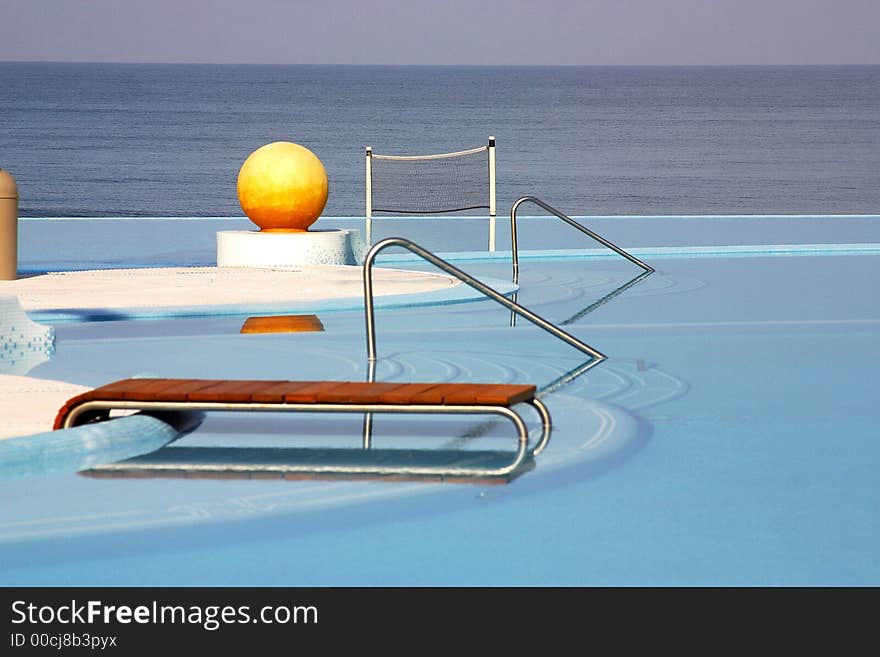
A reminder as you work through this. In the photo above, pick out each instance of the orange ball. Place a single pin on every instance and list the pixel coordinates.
(282, 187)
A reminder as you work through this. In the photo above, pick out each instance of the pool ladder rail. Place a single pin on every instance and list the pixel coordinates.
(466, 278)
(571, 222)
(511, 304)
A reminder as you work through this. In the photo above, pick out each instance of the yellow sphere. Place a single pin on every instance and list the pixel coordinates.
(282, 186)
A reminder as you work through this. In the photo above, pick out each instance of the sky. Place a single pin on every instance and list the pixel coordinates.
(477, 32)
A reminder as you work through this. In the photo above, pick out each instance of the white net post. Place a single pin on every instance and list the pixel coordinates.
(368, 233)
(491, 193)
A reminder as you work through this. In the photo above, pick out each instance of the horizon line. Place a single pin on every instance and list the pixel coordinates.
(435, 65)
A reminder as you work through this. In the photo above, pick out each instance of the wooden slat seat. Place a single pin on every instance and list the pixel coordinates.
(164, 395)
(343, 393)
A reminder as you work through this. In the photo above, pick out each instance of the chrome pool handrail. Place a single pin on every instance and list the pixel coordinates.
(571, 222)
(464, 278)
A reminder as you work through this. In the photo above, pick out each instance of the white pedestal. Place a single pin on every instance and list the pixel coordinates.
(252, 248)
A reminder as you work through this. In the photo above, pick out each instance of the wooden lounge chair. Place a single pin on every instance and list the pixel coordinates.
(323, 396)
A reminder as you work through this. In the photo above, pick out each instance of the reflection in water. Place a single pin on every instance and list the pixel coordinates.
(596, 304)
(24, 344)
(564, 379)
(605, 299)
(282, 324)
(299, 463)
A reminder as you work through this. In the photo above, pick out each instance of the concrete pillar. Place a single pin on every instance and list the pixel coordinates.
(8, 227)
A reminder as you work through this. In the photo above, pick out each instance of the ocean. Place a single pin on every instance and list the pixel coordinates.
(111, 140)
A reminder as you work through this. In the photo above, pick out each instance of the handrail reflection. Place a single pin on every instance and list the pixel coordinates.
(596, 304)
(605, 299)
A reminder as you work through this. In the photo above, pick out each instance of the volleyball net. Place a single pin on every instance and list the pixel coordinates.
(431, 184)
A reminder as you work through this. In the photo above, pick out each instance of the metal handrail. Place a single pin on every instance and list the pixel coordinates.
(464, 278)
(570, 222)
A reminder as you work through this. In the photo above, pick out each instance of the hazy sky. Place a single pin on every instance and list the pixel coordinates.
(443, 31)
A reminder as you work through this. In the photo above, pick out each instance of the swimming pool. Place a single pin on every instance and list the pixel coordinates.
(729, 439)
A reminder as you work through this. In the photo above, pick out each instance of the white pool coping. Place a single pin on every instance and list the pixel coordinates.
(174, 287)
(29, 405)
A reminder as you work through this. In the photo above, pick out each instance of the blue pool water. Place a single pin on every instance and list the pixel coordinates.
(730, 438)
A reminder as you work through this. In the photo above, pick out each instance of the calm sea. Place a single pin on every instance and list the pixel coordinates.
(168, 140)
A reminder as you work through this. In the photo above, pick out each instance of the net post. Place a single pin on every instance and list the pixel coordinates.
(368, 236)
(491, 148)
